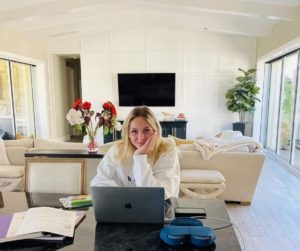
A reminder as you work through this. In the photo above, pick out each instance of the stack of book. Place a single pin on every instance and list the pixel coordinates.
(77, 201)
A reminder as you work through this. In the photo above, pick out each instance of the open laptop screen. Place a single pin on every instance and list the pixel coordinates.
(128, 204)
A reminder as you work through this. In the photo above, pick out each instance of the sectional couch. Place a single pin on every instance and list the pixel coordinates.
(240, 169)
(12, 176)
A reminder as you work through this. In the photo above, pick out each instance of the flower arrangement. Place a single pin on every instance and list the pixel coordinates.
(80, 117)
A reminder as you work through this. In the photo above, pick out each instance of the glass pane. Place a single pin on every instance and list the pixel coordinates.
(296, 157)
(6, 114)
(274, 104)
(287, 105)
(23, 102)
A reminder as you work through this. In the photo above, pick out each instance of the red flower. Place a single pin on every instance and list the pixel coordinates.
(77, 104)
(113, 110)
(109, 106)
(106, 106)
(83, 120)
(86, 105)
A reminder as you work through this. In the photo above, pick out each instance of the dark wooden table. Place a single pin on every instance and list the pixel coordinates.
(139, 237)
(63, 153)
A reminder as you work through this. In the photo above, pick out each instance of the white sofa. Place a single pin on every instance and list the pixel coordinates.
(12, 176)
(240, 169)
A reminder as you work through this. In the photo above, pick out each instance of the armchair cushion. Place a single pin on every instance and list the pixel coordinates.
(16, 155)
(202, 176)
(11, 171)
(19, 143)
(51, 144)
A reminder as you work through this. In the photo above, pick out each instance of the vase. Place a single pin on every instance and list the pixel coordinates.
(92, 145)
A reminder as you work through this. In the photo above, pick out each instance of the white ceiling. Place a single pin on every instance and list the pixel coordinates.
(52, 19)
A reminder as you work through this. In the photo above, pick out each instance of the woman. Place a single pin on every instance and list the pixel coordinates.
(142, 157)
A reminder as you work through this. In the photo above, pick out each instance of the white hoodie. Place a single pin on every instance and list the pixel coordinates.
(165, 172)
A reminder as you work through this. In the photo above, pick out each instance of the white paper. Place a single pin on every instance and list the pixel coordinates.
(46, 219)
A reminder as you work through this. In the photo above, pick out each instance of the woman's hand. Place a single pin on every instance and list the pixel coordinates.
(149, 145)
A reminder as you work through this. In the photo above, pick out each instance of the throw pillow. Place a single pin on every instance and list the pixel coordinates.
(179, 141)
(229, 134)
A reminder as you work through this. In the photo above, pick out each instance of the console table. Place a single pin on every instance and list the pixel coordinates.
(175, 128)
(92, 236)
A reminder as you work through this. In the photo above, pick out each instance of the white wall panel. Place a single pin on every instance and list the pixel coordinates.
(164, 39)
(201, 95)
(93, 64)
(65, 46)
(128, 62)
(97, 90)
(223, 83)
(231, 60)
(134, 39)
(205, 65)
(96, 43)
(201, 41)
(164, 62)
(202, 61)
(237, 42)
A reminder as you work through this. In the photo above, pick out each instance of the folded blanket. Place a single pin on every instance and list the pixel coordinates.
(209, 149)
(3, 156)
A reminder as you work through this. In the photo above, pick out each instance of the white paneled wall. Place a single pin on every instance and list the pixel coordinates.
(205, 65)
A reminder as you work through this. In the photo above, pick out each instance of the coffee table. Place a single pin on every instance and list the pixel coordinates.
(92, 236)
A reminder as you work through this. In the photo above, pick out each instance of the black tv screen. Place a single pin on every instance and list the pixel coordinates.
(151, 89)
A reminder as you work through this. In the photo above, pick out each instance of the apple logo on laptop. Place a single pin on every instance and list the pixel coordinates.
(128, 205)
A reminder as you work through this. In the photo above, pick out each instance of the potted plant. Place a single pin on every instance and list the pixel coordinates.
(242, 97)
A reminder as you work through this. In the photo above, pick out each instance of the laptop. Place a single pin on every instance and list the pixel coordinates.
(128, 204)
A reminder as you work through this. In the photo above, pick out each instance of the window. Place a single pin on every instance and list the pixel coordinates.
(16, 99)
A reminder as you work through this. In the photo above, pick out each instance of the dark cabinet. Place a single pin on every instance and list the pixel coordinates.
(112, 136)
(174, 128)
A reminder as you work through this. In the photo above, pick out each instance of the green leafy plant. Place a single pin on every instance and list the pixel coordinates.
(242, 97)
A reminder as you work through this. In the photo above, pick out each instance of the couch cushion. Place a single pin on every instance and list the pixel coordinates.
(201, 176)
(229, 134)
(16, 155)
(51, 144)
(19, 143)
(179, 141)
(11, 171)
(3, 155)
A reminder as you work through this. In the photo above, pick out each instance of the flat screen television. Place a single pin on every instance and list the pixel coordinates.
(151, 89)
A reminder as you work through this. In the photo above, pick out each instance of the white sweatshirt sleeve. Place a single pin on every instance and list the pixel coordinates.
(165, 172)
(107, 170)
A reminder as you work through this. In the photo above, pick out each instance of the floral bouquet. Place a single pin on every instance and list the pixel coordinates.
(80, 117)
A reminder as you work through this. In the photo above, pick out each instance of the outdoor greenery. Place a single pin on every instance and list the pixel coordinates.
(287, 111)
(242, 97)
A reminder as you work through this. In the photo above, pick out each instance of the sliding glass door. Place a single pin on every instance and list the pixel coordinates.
(283, 131)
(288, 93)
(16, 99)
(275, 84)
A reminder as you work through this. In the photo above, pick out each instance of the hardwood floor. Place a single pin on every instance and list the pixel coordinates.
(272, 222)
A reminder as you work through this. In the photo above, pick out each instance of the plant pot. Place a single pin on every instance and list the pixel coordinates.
(239, 126)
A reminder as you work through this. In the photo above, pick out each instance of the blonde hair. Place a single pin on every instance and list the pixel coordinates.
(126, 148)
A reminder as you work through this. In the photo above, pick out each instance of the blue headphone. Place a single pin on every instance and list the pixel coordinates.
(186, 230)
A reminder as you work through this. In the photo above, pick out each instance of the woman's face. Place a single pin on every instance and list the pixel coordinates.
(139, 131)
